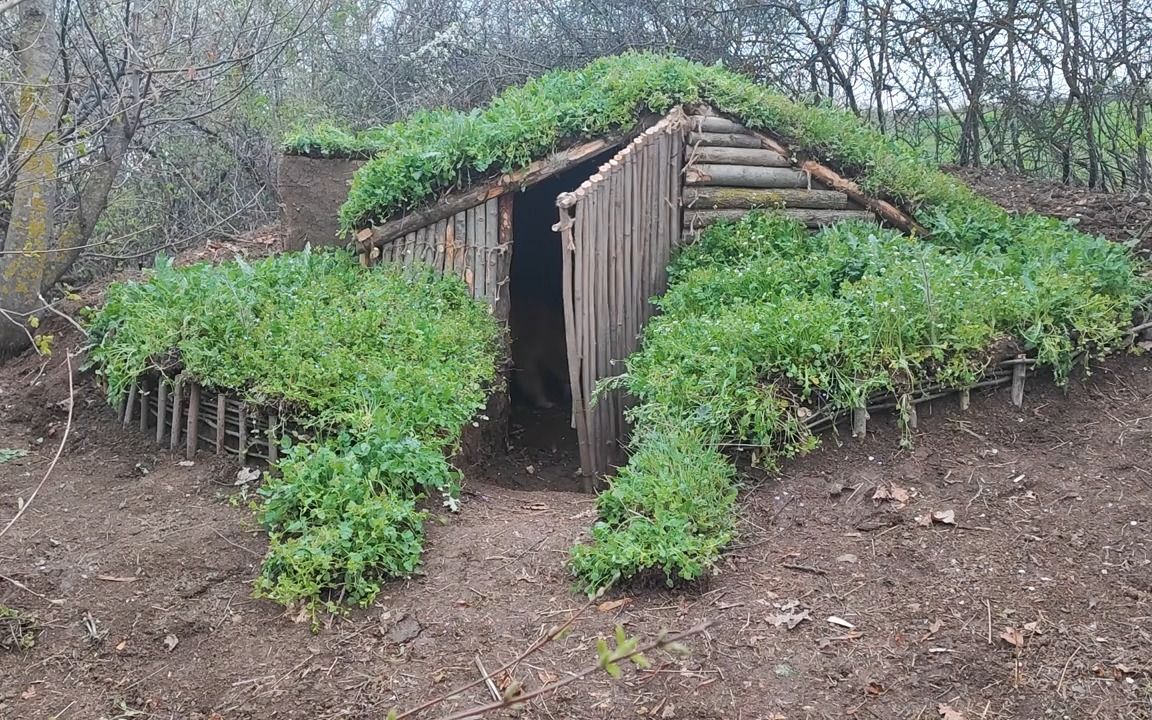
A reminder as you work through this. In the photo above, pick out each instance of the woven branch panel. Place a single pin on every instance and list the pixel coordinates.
(188, 415)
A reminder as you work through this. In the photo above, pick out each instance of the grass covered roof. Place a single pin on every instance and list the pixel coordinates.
(435, 151)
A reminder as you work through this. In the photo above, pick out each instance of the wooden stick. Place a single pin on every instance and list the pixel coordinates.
(860, 423)
(177, 402)
(129, 405)
(161, 408)
(965, 398)
(491, 684)
(273, 426)
(242, 434)
(143, 410)
(1019, 371)
(191, 436)
(221, 416)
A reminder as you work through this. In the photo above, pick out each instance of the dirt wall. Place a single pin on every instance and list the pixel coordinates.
(311, 193)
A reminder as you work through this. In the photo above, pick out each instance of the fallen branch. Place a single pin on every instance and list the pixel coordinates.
(534, 648)
(659, 643)
(59, 451)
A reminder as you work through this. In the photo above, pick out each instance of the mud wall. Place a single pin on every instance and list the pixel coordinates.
(311, 193)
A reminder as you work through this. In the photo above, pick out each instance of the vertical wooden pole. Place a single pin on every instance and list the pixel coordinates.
(860, 422)
(965, 398)
(129, 406)
(191, 435)
(221, 421)
(572, 296)
(273, 428)
(177, 414)
(1019, 372)
(143, 409)
(242, 434)
(501, 301)
(492, 239)
(161, 408)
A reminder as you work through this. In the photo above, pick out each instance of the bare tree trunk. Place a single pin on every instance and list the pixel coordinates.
(28, 242)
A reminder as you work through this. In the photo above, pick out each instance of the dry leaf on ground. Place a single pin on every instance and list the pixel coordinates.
(948, 713)
(613, 604)
(1012, 636)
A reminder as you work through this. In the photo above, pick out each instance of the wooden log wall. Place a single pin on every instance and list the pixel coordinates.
(469, 244)
(619, 229)
(729, 171)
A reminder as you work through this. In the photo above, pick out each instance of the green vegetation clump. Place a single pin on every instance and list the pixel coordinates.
(766, 324)
(385, 365)
(439, 149)
(18, 630)
(331, 140)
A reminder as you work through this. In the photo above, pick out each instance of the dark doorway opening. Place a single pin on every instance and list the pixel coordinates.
(543, 446)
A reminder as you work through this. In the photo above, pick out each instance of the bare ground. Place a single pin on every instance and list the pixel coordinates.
(138, 571)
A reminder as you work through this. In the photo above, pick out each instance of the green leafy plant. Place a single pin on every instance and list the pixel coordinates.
(10, 454)
(384, 366)
(766, 325)
(18, 630)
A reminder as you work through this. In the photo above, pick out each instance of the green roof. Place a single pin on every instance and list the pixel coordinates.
(437, 151)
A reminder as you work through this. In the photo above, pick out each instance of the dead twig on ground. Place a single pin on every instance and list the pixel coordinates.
(59, 451)
(665, 640)
(554, 633)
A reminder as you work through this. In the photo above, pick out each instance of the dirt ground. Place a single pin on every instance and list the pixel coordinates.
(1035, 602)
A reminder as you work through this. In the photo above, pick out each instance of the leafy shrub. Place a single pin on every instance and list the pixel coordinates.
(329, 139)
(385, 365)
(765, 325)
(669, 509)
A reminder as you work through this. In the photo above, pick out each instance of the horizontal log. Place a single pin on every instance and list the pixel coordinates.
(708, 139)
(745, 176)
(832, 179)
(703, 198)
(884, 209)
(697, 219)
(739, 156)
(716, 124)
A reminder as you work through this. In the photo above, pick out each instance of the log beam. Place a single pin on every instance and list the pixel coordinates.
(745, 176)
(736, 140)
(716, 198)
(716, 124)
(738, 156)
(697, 219)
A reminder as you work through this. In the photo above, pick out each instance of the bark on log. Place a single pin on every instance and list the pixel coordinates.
(736, 140)
(452, 204)
(716, 124)
(884, 209)
(745, 176)
(696, 219)
(704, 198)
(739, 156)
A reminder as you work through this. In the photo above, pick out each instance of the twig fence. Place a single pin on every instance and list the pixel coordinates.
(1012, 371)
(186, 414)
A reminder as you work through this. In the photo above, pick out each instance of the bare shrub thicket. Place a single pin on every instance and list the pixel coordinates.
(193, 96)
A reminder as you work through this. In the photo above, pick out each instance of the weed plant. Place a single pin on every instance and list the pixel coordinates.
(385, 366)
(766, 324)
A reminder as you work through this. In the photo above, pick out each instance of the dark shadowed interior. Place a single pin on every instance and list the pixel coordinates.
(539, 389)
